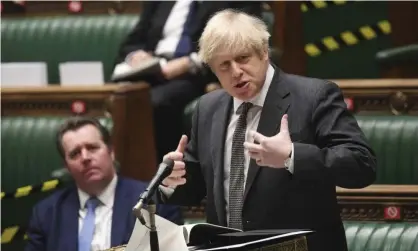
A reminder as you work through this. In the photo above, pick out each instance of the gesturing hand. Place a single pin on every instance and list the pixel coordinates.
(179, 170)
(271, 151)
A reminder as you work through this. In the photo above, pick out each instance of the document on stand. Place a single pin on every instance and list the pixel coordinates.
(203, 236)
(170, 235)
(253, 243)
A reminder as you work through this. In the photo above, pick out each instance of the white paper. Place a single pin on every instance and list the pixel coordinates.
(81, 73)
(170, 235)
(256, 241)
(24, 74)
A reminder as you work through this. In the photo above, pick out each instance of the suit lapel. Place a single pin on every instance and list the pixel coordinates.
(120, 217)
(69, 226)
(275, 106)
(218, 132)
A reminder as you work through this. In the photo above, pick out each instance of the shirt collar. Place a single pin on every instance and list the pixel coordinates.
(106, 197)
(259, 99)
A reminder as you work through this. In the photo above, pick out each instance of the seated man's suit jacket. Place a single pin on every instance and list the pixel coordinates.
(54, 222)
(329, 150)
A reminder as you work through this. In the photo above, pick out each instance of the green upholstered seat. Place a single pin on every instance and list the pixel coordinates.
(394, 139)
(29, 156)
(65, 38)
(380, 236)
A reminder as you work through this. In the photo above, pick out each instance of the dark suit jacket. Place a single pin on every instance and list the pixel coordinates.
(329, 150)
(54, 223)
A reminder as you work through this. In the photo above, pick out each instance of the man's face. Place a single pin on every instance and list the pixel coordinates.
(241, 74)
(88, 158)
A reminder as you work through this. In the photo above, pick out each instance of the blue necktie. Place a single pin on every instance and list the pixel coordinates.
(86, 234)
(184, 47)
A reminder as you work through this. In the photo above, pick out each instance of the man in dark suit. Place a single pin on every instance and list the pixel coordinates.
(170, 30)
(95, 213)
(268, 150)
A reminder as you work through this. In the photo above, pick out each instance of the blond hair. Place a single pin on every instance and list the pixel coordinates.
(232, 31)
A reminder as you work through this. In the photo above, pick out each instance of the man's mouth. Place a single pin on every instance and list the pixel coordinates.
(241, 84)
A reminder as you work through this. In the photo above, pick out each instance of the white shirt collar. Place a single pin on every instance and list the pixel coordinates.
(106, 197)
(259, 99)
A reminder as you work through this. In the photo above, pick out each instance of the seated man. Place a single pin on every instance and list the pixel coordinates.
(96, 213)
(170, 30)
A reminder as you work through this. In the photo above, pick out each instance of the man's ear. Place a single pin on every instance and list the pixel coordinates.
(112, 152)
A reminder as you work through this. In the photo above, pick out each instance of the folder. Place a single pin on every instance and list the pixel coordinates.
(126, 73)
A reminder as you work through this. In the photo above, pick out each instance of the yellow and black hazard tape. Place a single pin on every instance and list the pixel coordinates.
(27, 190)
(311, 5)
(348, 38)
(13, 233)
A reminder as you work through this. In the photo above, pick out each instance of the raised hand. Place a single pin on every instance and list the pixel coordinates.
(179, 171)
(271, 151)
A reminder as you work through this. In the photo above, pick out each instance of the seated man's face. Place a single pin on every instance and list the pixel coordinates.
(88, 158)
(241, 74)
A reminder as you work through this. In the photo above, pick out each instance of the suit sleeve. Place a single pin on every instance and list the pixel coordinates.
(136, 38)
(36, 235)
(191, 193)
(341, 152)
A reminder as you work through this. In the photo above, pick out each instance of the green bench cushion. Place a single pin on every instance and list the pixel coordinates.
(69, 38)
(395, 141)
(378, 236)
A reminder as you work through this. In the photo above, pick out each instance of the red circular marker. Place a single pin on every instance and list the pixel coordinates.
(78, 107)
(392, 212)
(74, 6)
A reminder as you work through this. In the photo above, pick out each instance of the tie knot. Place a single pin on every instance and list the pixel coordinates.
(92, 203)
(244, 107)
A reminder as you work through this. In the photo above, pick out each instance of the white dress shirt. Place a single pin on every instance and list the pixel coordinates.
(103, 213)
(253, 119)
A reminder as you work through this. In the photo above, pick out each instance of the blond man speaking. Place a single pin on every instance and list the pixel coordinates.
(267, 150)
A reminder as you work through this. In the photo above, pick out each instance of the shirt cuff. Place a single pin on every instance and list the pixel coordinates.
(292, 157)
(196, 60)
(166, 192)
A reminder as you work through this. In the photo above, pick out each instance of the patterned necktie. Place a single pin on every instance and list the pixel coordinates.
(86, 234)
(236, 179)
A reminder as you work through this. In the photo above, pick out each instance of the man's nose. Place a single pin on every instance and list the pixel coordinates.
(85, 155)
(236, 70)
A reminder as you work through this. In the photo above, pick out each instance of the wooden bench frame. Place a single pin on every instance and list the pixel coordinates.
(128, 105)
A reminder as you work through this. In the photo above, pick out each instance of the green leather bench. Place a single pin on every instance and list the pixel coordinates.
(65, 38)
(378, 236)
